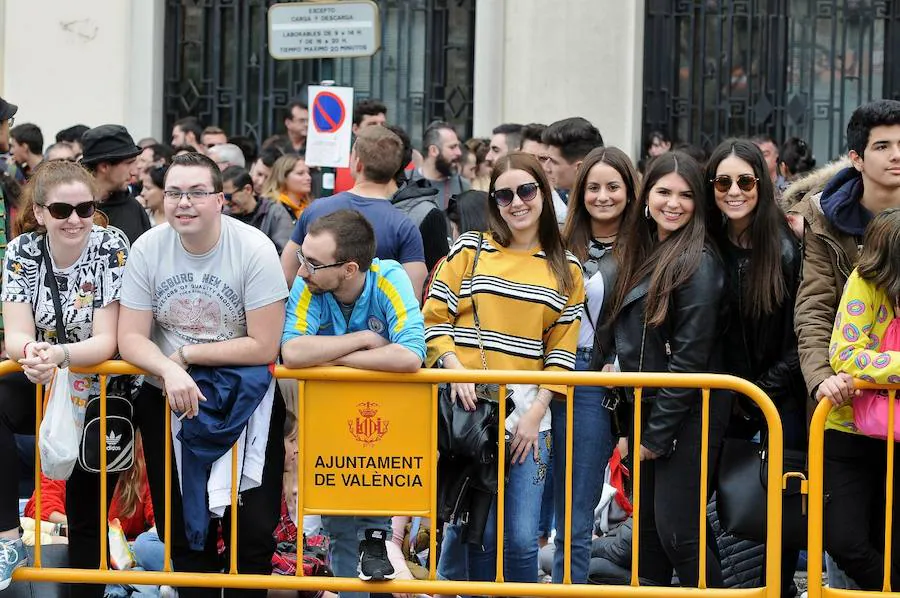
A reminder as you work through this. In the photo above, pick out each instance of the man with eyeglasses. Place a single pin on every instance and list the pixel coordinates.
(207, 292)
(242, 202)
(110, 153)
(376, 156)
(296, 125)
(349, 308)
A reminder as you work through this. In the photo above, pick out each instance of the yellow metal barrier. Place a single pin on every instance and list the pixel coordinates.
(816, 548)
(346, 388)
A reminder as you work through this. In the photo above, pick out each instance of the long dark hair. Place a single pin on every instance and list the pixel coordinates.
(469, 211)
(548, 230)
(577, 230)
(879, 260)
(764, 289)
(668, 263)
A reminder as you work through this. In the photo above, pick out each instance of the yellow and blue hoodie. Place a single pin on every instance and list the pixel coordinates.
(387, 306)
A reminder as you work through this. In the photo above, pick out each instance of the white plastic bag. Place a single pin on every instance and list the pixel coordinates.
(59, 435)
(121, 555)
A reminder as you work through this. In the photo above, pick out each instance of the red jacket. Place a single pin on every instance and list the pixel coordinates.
(53, 498)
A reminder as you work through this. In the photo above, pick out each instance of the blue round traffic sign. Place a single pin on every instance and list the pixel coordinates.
(328, 112)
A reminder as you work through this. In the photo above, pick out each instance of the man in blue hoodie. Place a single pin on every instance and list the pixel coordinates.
(834, 221)
(349, 308)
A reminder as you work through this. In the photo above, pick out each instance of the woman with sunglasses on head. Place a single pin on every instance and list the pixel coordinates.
(518, 309)
(87, 264)
(606, 182)
(665, 312)
(762, 267)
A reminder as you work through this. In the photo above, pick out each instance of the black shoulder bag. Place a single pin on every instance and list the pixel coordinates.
(472, 434)
(119, 408)
(741, 493)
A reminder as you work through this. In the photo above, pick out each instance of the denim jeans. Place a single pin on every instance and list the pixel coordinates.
(592, 447)
(149, 551)
(345, 534)
(837, 579)
(547, 521)
(524, 489)
(148, 555)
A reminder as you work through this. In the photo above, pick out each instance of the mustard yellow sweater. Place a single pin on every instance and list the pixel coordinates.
(527, 322)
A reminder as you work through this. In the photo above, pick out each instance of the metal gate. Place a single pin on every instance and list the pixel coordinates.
(217, 66)
(780, 67)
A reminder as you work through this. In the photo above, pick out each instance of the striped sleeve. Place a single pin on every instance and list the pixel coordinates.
(304, 313)
(441, 306)
(561, 339)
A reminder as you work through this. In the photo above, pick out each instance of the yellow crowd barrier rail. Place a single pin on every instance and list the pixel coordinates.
(816, 548)
(368, 446)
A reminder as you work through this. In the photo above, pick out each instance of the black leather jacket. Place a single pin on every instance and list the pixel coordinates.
(688, 342)
(764, 350)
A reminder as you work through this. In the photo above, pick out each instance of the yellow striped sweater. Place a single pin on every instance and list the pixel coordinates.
(527, 322)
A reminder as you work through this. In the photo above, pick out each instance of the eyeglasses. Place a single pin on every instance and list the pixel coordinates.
(12, 121)
(745, 182)
(305, 263)
(504, 197)
(61, 211)
(192, 195)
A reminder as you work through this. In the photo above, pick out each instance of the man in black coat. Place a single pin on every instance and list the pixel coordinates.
(111, 155)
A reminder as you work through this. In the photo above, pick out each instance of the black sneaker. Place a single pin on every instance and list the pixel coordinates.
(373, 559)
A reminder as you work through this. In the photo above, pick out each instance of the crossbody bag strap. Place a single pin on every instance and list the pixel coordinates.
(474, 305)
(61, 336)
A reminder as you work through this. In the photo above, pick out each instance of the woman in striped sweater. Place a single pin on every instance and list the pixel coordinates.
(528, 291)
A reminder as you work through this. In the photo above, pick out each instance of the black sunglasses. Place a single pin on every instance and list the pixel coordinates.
(745, 182)
(62, 211)
(504, 197)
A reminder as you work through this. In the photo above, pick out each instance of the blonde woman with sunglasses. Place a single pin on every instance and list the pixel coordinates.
(60, 244)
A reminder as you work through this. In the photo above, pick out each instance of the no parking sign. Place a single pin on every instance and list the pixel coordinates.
(330, 119)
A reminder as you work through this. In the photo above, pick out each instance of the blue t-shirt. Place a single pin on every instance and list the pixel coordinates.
(396, 237)
(387, 306)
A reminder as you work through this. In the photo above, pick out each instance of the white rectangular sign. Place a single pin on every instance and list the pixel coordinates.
(330, 126)
(324, 29)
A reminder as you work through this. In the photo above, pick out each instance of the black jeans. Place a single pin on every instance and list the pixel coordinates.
(855, 479)
(670, 504)
(259, 509)
(18, 416)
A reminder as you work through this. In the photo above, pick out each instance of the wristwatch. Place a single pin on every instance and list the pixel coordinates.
(66, 357)
(440, 360)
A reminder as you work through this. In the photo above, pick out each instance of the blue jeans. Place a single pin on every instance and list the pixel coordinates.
(592, 446)
(836, 577)
(524, 489)
(547, 504)
(345, 534)
(149, 551)
(148, 555)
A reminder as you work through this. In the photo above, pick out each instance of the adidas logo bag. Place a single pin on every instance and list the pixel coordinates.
(119, 440)
(119, 429)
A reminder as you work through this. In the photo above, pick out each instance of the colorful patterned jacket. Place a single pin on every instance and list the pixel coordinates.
(863, 316)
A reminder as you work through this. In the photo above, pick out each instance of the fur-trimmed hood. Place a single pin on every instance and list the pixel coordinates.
(813, 182)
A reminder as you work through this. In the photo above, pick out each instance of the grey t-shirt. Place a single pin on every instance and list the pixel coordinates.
(202, 298)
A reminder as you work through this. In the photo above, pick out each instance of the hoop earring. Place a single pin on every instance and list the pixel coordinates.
(647, 211)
